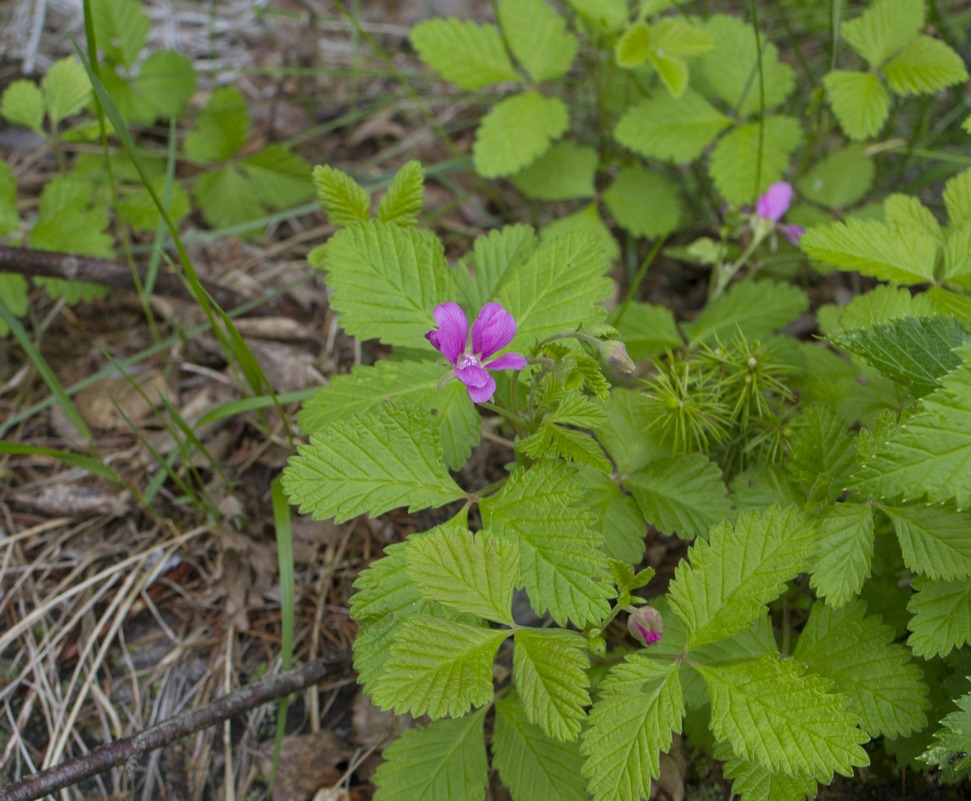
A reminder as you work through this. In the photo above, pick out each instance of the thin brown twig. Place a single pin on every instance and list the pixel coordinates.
(131, 748)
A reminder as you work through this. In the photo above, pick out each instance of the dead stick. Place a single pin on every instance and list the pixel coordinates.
(130, 748)
(51, 264)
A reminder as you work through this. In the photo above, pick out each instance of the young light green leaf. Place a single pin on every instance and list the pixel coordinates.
(469, 55)
(563, 566)
(9, 218)
(23, 104)
(957, 199)
(675, 129)
(386, 280)
(923, 67)
(732, 575)
(952, 742)
(551, 440)
(780, 717)
(438, 667)
(138, 208)
(756, 308)
(840, 179)
(633, 45)
(370, 463)
(220, 129)
(672, 70)
(821, 446)
(121, 28)
(226, 197)
(66, 223)
(516, 132)
(619, 520)
(679, 38)
(576, 409)
(941, 616)
(538, 38)
(891, 253)
(588, 222)
(682, 495)
(842, 561)
(859, 100)
(533, 765)
(643, 202)
(906, 210)
(444, 761)
(340, 196)
(883, 686)
(605, 16)
(66, 89)
(386, 587)
(551, 677)
(752, 156)
(493, 259)
(637, 709)
(752, 782)
(403, 201)
(471, 574)
(278, 177)
(956, 266)
(884, 28)
(880, 305)
(565, 171)
(168, 81)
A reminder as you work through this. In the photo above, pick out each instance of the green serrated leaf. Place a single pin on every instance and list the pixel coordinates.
(756, 308)
(956, 265)
(168, 81)
(839, 180)
(619, 520)
(66, 223)
(385, 586)
(220, 129)
(565, 171)
(278, 177)
(551, 440)
(588, 222)
(66, 90)
(906, 210)
(881, 304)
(516, 132)
(842, 561)
(738, 570)
(576, 409)
(941, 616)
(952, 742)
(679, 38)
(859, 100)
(752, 782)
(752, 156)
(883, 686)
(633, 45)
(386, 280)
(923, 67)
(552, 680)
(821, 446)
(780, 717)
(647, 330)
(643, 202)
(23, 104)
(625, 433)
(9, 218)
(226, 197)
(138, 208)
(957, 199)
(538, 38)
(13, 293)
(370, 463)
(469, 55)
(444, 761)
(471, 574)
(121, 28)
(682, 495)
(669, 128)
(638, 707)
(884, 28)
(534, 766)
(494, 259)
(672, 70)
(563, 565)
(340, 196)
(403, 201)
(935, 541)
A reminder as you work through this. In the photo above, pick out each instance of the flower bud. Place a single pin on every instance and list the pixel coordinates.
(615, 355)
(645, 625)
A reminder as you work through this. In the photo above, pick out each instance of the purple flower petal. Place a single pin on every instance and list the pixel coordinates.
(792, 232)
(493, 329)
(452, 333)
(775, 202)
(508, 361)
(480, 384)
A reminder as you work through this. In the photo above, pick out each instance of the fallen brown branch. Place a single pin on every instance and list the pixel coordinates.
(131, 748)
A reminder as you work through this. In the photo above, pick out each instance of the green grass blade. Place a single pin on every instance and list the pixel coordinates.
(284, 546)
(93, 466)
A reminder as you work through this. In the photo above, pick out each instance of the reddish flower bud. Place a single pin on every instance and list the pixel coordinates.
(645, 625)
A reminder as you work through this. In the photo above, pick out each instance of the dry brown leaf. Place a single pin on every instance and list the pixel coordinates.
(308, 763)
(109, 401)
(69, 499)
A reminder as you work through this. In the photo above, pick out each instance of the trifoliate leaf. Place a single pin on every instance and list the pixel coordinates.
(471, 574)
(957, 199)
(638, 707)
(729, 577)
(340, 196)
(756, 308)
(891, 253)
(516, 132)
(565, 171)
(23, 104)
(538, 38)
(66, 89)
(9, 218)
(842, 561)
(731, 70)
(444, 761)
(619, 520)
(860, 102)
(121, 28)
(751, 157)
(752, 782)
(941, 616)
(929, 454)
(494, 259)
(682, 495)
(884, 28)
(168, 81)
(913, 351)
(403, 201)
(278, 177)
(669, 128)
(220, 129)
(438, 667)
(935, 541)
(551, 440)
(840, 179)
(386, 280)
(551, 667)
(469, 55)
(370, 463)
(906, 210)
(647, 330)
(643, 202)
(883, 686)
(952, 742)
(588, 222)
(533, 765)
(66, 223)
(560, 285)
(780, 717)
(226, 197)
(923, 67)
(563, 565)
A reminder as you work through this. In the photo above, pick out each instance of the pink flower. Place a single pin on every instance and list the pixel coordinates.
(774, 204)
(492, 330)
(645, 625)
